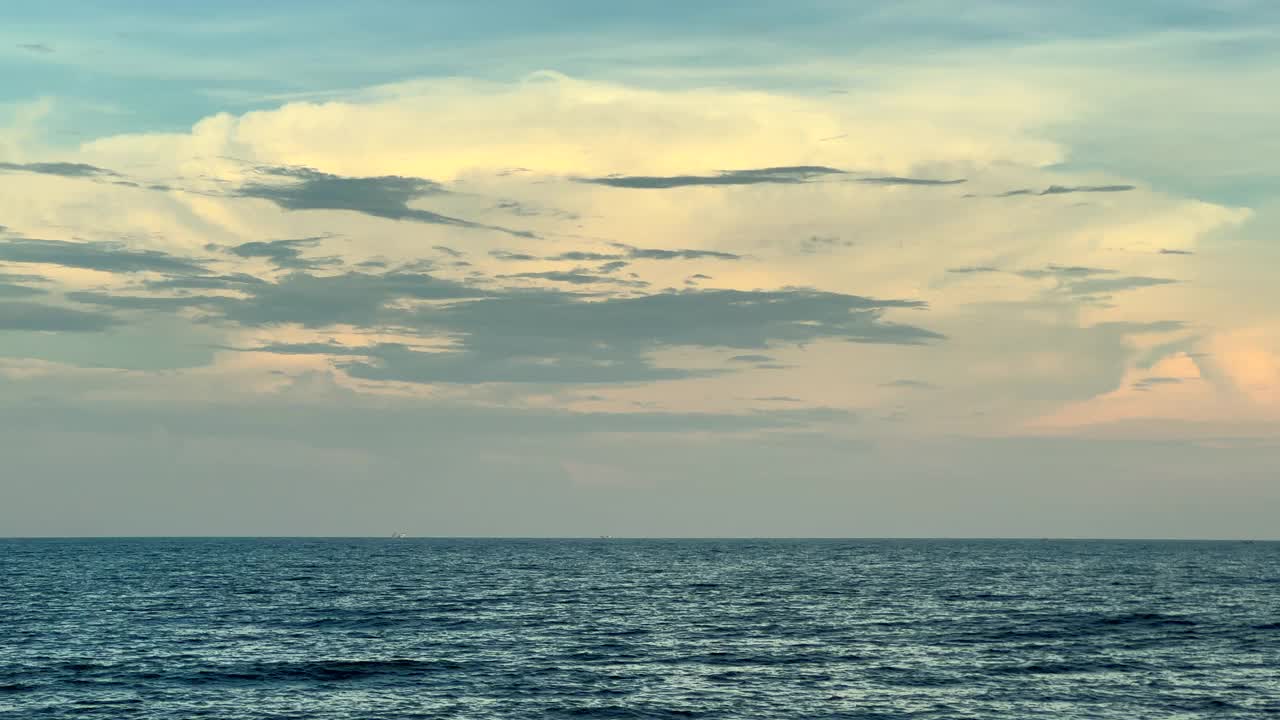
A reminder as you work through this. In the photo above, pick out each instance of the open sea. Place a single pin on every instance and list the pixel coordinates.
(387, 629)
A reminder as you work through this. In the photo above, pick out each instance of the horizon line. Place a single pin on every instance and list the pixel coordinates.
(975, 538)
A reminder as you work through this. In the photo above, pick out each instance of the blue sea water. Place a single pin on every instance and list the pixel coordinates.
(350, 628)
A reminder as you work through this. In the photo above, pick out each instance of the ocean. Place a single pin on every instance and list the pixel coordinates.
(469, 628)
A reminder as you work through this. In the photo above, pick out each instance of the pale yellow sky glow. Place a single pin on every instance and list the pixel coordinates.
(931, 252)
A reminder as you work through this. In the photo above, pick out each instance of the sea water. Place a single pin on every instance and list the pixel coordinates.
(406, 628)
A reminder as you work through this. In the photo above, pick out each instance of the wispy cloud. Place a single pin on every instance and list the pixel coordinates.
(285, 254)
(910, 384)
(103, 256)
(62, 169)
(1154, 382)
(17, 315)
(786, 175)
(387, 196)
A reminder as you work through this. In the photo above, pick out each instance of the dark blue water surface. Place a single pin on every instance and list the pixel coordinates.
(340, 628)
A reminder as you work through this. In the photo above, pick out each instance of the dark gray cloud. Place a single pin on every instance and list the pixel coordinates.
(1122, 328)
(350, 298)
(285, 254)
(61, 169)
(106, 257)
(555, 337)
(778, 399)
(390, 362)
(895, 180)
(41, 48)
(816, 244)
(1151, 382)
(636, 253)
(23, 278)
(1066, 189)
(386, 196)
(523, 210)
(1152, 356)
(751, 359)
(10, 290)
(234, 281)
(708, 318)
(613, 266)
(511, 256)
(19, 285)
(1086, 284)
(910, 384)
(577, 276)
(526, 335)
(18, 315)
(788, 175)
(1114, 284)
(1167, 251)
(448, 251)
(1060, 190)
(151, 303)
(581, 256)
(631, 252)
(1063, 272)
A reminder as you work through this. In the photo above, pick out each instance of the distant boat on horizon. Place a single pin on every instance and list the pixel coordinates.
(398, 535)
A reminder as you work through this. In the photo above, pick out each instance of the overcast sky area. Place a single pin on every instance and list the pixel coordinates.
(657, 269)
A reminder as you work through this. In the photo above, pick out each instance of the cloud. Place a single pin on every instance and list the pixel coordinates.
(1081, 281)
(751, 359)
(787, 175)
(386, 196)
(350, 298)
(151, 303)
(580, 256)
(910, 384)
(1114, 284)
(284, 254)
(778, 399)
(511, 256)
(1151, 382)
(8, 289)
(101, 256)
(636, 253)
(41, 48)
(401, 364)
(17, 315)
(61, 169)
(235, 281)
(973, 270)
(577, 276)
(1063, 272)
(895, 180)
(708, 318)
(17, 285)
(1067, 189)
(815, 244)
(557, 337)
(1167, 251)
(1121, 327)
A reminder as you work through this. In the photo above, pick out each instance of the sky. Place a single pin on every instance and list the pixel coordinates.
(655, 269)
